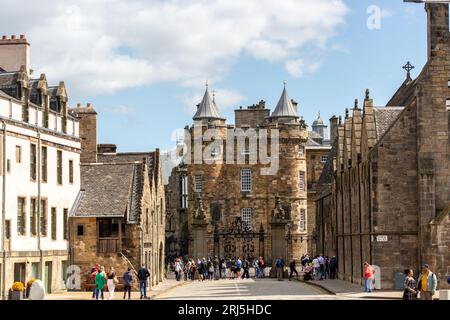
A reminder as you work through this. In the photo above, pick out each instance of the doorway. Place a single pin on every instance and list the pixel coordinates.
(48, 276)
(19, 272)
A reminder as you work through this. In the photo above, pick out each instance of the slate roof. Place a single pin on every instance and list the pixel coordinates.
(8, 83)
(110, 190)
(384, 118)
(207, 109)
(150, 159)
(312, 143)
(284, 108)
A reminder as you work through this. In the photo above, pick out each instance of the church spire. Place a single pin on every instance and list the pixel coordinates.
(207, 109)
(284, 108)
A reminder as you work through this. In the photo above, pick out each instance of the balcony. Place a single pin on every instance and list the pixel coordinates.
(108, 245)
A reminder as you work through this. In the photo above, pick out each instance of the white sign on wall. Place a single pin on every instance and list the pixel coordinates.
(382, 238)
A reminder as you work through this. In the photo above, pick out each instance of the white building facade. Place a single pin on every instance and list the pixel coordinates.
(39, 175)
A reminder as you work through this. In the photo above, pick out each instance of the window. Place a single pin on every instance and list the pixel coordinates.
(59, 168)
(216, 210)
(44, 164)
(198, 184)
(53, 230)
(43, 217)
(18, 154)
(302, 220)
(301, 183)
(33, 162)
(35, 270)
(70, 171)
(301, 150)
(246, 216)
(323, 159)
(448, 102)
(8, 229)
(80, 230)
(184, 192)
(246, 180)
(8, 166)
(66, 223)
(33, 216)
(21, 216)
(64, 273)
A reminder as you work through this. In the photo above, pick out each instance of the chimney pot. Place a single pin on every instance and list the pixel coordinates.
(13, 37)
(4, 37)
(22, 36)
(78, 105)
(88, 105)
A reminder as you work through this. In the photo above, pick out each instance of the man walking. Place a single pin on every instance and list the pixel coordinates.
(333, 267)
(143, 275)
(427, 283)
(368, 277)
(280, 265)
(293, 269)
(127, 281)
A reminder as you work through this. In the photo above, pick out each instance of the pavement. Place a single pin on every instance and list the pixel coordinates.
(350, 290)
(153, 293)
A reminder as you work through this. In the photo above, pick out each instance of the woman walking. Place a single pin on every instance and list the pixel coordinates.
(111, 282)
(410, 292)
(100, 282)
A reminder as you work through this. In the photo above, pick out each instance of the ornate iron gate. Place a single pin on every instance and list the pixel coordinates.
(238, 240)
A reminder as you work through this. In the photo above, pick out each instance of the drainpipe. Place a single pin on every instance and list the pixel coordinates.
(39, 206)
(3, 293)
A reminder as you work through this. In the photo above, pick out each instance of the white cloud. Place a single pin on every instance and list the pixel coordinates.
(101, 46)
(298, 68)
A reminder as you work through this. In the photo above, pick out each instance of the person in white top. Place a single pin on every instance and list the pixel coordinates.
(316, 266)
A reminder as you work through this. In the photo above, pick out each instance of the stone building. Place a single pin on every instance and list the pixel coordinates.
(317, 149)
(232, 206)
(39, 171)
(118, 218)
(386, 184)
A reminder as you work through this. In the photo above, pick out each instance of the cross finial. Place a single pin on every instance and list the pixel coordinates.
(285, 82)
(367, 94)
(214, 95)
(206, 84)
(356, 104)
(408, 67)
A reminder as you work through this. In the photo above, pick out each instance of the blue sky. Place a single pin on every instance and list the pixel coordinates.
(140, 112)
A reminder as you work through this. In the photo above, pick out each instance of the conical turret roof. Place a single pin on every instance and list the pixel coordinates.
(284, 108)
(207, 109)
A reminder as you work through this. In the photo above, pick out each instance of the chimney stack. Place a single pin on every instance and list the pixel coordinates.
(438, 27)
(88, 133)
(14, 53)
(333, 128)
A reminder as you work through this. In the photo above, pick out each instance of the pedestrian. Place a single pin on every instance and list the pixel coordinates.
(245, 267)
(410, 291)
(256, 267)
(327, 267)
(95, 269)
(262, 267)
(178, 269)
(217, 266)
(210, 266)
(100, 282)
(321, 260)
(333, 267)
(280, 266)
(223, 273)
(229, 268)
(316, 267)
(111, 282)
(127, 281)
(143, 275)
(293, 269)
(238, 268)
(368, 277)
(427, 283)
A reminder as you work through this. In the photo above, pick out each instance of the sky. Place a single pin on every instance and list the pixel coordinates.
(144, 64)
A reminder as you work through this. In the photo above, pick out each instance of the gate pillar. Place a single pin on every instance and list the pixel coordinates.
(278, 235)
(199, 228)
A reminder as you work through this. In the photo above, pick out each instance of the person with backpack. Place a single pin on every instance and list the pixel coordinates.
(238, 268)
(280, 266)
(427, 283)
(143, 275)
(127, 281)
